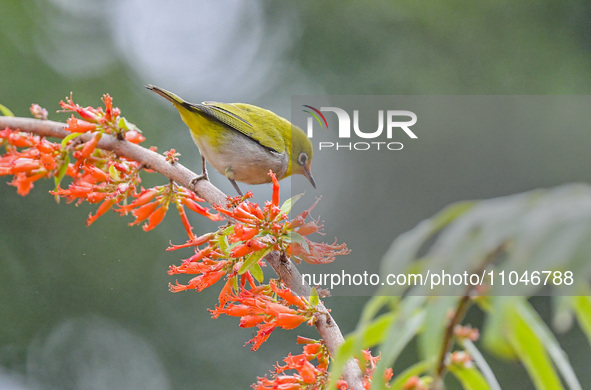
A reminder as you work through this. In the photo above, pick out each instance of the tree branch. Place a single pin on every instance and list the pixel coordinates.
(325, 324)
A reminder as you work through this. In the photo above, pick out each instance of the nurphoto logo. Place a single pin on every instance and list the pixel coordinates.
(397, 123)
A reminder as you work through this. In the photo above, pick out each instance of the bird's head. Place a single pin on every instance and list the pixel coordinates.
(301, 154)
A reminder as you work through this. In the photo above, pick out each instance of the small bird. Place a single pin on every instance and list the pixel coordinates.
(243, 142)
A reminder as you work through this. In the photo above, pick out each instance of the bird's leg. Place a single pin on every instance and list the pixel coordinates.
(203, 175)
(236, 186)
(230, 176)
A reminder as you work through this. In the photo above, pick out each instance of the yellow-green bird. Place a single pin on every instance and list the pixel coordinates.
(243, 142)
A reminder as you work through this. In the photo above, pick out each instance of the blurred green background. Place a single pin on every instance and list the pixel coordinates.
(89, 308)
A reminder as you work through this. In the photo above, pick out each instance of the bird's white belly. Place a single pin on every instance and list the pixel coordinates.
(243, 160)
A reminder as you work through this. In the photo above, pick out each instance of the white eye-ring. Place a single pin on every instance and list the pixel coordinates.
(302, 158)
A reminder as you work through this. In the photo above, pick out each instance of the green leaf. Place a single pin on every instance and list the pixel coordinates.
(68, 138)
(450, 213)
(431, 337)
(400, 334)
(253, 258)
(415, 370)
(545, 336)
(531, 352)
(223, 243)
(228, 230)
(288, 204)
(470, 378)
(582, 305)
(5, 111)
(314, 300)
(61, 172)
(481, 364)
(114, 173)
(299, 239)
(494, 337)
(257, 272)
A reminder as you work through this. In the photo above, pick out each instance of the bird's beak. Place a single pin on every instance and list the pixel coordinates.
(308, 174)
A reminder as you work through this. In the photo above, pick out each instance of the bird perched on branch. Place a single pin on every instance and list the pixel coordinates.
(243, 142)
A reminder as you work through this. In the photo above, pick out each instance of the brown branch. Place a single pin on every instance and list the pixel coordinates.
(325, 324)
(459, 314)
(448, 338)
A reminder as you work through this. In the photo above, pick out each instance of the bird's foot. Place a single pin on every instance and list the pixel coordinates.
(194, 180)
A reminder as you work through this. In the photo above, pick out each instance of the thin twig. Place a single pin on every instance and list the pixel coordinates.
(325, 324)
(460, 312)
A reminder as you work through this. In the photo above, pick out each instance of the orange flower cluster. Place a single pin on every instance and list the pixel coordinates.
(307, 376)
(152, 204)
(237, 252)
(98, 176)
(28, 158)
(234, 252)
(255, 232)
(267, 307)
(304, 374)
(107, 121)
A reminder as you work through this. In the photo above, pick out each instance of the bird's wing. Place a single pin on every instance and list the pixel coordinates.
(244, 118)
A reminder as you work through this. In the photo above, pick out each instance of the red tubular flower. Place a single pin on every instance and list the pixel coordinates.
(317, 253)
(255, 210)
(108, 100)
(290, 320)
(312, 349)
(142, 213)
(24, 183)
(242, 214)
(226, 291)
(200, 282)
(155, 217)
(80, 189)
(275, 189)
(301, 219)
(185, 220)
(193, 242)
(18, 138)
(46, 147)
(98, 174)
(242, 233)
(309, 228)
(248, 321)
(288, 296)
(248, 247)
(194, 206)
(207, 265)
(275, 309)
(87, 149)
(299, 372)
(103, 208)
(24, 165)
(144, 197)
(88, 113)
(262, 335)
(79, 126)
(134, 137)
(272, 210)
(236, 310)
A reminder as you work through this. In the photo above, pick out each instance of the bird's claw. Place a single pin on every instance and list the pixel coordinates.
(194, 180)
